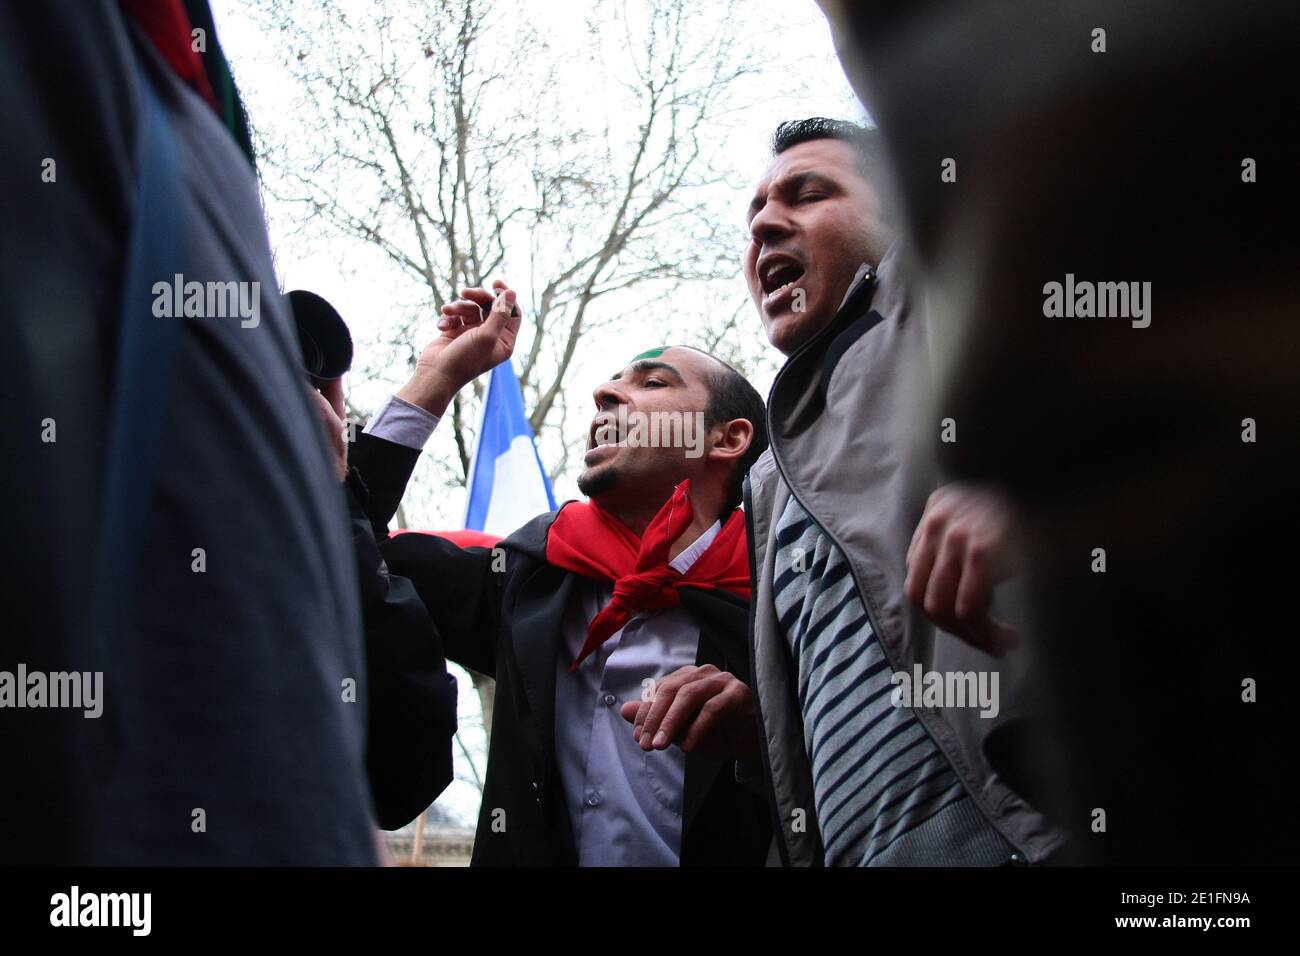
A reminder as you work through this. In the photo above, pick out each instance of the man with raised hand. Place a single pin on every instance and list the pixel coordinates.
(585, 611)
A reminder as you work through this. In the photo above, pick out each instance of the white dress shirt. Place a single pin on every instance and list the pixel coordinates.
(402, 423)
(625, 805)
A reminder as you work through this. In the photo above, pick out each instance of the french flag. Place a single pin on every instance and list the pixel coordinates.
(507, 484)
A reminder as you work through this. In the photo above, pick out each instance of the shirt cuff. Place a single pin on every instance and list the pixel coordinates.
(402, 423)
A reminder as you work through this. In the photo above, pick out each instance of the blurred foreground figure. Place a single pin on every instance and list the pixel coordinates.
(182, 673)
(1147, 435)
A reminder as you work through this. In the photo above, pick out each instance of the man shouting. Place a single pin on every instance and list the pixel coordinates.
(637, 595)
(857, 581)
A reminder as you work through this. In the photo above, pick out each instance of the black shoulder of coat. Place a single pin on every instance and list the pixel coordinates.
(530, 539)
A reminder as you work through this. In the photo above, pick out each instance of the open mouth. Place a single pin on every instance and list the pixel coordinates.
(778, 275)
(604, 433)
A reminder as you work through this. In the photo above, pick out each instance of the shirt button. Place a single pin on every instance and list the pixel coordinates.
(610, 700)
(593, 800)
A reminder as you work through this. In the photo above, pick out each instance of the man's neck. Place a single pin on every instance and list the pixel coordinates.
(699, 524)
(706, 507)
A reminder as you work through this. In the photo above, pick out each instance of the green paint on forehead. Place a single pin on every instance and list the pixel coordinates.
(649, 354)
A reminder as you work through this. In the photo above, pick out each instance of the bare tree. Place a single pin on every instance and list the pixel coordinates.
(457, 157)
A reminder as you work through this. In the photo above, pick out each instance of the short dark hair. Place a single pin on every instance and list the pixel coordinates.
(731, 397)
(865, 140)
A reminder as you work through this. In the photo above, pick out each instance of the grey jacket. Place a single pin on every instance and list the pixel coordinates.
(841, 420)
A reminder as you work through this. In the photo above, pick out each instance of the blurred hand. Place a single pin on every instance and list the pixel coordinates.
(699, 709)
(959, 551)
(479, 331)
(329, 403)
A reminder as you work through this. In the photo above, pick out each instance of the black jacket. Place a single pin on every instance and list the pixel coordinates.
(411, 699)
(508, 623)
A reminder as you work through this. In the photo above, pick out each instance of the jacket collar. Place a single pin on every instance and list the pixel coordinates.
(853, 319)
(798, 394)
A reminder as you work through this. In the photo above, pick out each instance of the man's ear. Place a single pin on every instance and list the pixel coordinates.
(730, 440)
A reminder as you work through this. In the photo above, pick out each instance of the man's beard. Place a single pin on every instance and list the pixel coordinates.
(597, 481)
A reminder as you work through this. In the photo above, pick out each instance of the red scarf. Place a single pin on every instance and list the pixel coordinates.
(587, 540)
(168, 26)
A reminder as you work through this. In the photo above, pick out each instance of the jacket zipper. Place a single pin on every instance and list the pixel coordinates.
(766, 758)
